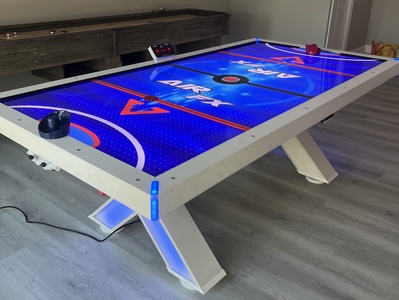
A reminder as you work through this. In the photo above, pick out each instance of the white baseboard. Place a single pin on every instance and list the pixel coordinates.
(361, 49)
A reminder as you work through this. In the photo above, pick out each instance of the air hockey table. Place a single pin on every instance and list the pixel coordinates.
(154, 135)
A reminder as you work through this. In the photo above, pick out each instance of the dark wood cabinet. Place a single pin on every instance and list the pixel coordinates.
(52, 49)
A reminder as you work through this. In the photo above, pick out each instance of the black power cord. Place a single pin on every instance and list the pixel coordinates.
(67, 229)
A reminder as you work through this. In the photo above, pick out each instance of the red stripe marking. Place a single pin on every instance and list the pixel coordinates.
(297, 59)
(182, 108)
(288, 64)
(127, 110)
(96, 140)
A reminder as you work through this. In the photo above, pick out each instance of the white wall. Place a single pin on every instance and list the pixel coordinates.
(305, 21)
(30, 11)
(384, 22)
(359, 24)
(296, 21)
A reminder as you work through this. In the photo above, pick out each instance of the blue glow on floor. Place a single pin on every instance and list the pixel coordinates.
(168, 250)
(113, 214)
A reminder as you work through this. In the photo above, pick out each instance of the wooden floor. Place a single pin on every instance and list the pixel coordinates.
(276, 235)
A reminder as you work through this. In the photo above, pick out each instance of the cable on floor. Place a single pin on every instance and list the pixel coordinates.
(67, 229)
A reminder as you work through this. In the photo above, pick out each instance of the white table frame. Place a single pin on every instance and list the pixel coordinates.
(163, 212)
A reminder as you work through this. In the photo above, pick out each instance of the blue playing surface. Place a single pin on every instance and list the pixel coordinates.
(195, 103)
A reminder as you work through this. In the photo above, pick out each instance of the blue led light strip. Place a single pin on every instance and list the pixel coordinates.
(154, 200)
